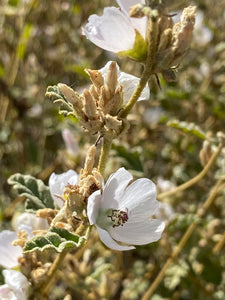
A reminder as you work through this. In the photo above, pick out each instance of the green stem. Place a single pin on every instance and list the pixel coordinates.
(194, 180)
(104, 154)
(44, 290)
(46, 286)
(200, 214)
(152, 33)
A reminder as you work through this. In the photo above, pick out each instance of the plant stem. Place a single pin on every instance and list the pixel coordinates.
(104, 154)
(219, 245)
(200, 213)
(194, 180)
(152, 33)
(44, 290)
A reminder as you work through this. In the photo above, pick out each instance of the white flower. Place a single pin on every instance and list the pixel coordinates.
(16, 286)
(129, 83)
(115, 29)
(121, 213)
(57, 183)
(9, 254)
(30, 222)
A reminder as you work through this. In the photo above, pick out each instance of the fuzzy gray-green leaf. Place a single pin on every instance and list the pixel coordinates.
(56, 239)
(36, 192)
(56, 96)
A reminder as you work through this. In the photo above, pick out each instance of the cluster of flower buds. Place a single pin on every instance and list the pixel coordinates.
(74, 190)
(173, 40)
(97, 107)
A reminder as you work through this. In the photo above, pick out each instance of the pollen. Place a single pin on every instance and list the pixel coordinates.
(118, 217)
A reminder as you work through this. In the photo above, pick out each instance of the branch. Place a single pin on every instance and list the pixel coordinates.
(194, 180)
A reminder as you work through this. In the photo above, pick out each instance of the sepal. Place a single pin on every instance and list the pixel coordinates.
(139, 50)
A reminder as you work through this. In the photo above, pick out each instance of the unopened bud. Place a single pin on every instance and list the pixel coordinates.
(94, 93)
(90, 159)
(115, 103)
(165, 39)
(111, 78)
(71, 96)
(96, 77)
(182, 32)
(136, 11)
(89, 106)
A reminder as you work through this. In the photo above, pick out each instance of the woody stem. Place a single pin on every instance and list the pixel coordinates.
(152, 33)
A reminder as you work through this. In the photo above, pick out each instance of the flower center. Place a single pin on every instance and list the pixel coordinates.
(118, 217)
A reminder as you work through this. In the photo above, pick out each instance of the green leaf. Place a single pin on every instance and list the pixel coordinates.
(57, 239)
(36, 192)
(54, 94)
(190, 128)
(139, 50)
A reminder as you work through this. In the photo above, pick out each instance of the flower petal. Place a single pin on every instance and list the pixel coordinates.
(6, 293)
(17, 282)
(139, 199)
(126, 4)
(138, 233)
(94, 203)
(9, 253)
(114, 188)
(57, 183)
(112, 31)
(32, 221)
(137, 23)
(104, 70)
(129, 83)
(109, 242)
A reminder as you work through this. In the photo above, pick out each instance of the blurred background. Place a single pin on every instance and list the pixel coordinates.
(41, 44)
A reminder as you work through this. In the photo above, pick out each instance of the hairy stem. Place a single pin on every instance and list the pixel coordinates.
(200, 213)
(194, 180)
(152, 32)
(44, 290)
(104, 154)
